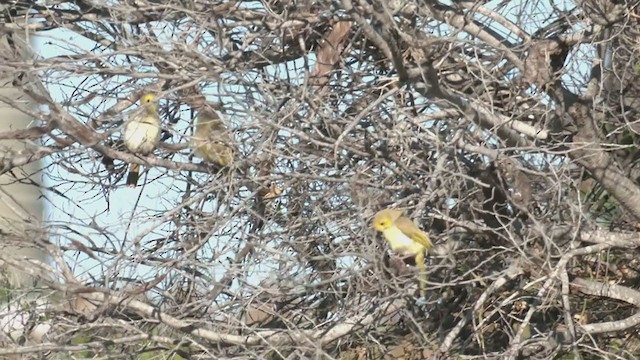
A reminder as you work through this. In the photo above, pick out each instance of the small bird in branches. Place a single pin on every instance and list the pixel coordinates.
(211, 140)
(142, 133)
(405, 238)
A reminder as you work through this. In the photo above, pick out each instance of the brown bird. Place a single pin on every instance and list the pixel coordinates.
(142, 133)
(211, 140)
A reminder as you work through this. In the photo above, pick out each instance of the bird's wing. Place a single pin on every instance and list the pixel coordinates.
(411, 230)
(217, 153)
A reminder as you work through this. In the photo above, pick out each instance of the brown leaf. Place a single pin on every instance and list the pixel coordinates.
(329, 53)
(274, 191)
(259, 314)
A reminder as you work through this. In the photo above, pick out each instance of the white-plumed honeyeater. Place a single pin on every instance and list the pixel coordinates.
(405, 238)
(211, 140)
(142, 133)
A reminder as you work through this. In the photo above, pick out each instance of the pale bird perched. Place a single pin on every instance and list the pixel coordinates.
(142, 133)
(405, 238)
(211, 140)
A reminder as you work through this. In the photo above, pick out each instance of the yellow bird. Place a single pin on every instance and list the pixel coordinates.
(405, 238)
(211, 140)
(142, 133)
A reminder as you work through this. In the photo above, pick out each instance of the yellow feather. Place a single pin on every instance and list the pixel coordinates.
(411, 230)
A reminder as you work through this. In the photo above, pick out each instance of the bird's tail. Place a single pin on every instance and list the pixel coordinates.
(134, 174)
(423, 274)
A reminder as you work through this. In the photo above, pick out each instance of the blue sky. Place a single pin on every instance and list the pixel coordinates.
(121, 212)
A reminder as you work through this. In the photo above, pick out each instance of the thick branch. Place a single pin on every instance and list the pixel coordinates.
(612, 291)
(586, 150)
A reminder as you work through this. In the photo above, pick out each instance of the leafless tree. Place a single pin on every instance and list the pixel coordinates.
(507, 131)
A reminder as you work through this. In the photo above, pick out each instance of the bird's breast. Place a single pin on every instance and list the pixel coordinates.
(141, 138)
(400, 242)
